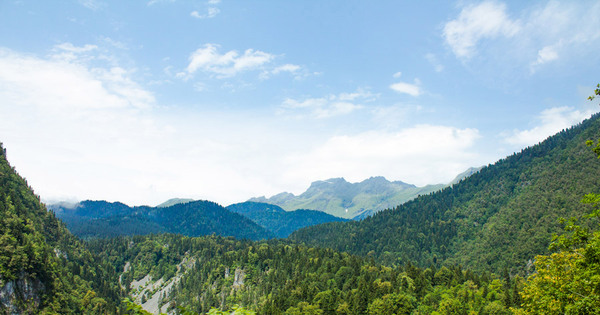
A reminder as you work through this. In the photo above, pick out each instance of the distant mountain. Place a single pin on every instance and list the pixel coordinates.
(174, 201)
(97, 219)
(347, 200)
(502, 215)
(470, 171)
(282, 223)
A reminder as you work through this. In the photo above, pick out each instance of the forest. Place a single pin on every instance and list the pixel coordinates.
(521, 236)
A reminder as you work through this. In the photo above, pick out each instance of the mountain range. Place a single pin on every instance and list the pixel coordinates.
(93, 219)
(251, 220)
(340, 198)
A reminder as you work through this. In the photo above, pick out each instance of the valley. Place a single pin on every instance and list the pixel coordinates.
(469, 247)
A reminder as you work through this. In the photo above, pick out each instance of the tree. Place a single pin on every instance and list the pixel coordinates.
(568, 281)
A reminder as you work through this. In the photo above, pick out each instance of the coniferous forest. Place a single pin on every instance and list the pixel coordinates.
(521, 236)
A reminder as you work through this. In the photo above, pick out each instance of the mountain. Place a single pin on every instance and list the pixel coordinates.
(93, 219)
(173, 201)
(282, 223)
(340, 198)
(501, 216)
(44, 268)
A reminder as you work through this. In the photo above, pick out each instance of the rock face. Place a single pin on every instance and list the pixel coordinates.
(342, 199)
(21, 295)
(238, 279)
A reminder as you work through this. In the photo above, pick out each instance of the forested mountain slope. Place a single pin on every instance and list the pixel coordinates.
(278, 277)
(500, 217)
(43, 267)
(282, 223)
(92, 219)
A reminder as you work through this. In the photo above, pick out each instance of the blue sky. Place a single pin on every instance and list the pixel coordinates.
(142, 101)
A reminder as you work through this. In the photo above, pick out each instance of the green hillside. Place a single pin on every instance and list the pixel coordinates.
(43, 267)
(282, 223)
(278, 277)
(93, 219)
(500, 217)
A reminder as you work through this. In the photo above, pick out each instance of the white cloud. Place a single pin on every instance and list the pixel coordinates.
(208, 59)
(297, 71)
(286, 68)
(548, 33)
(73, 129)
(397, 74)
(211, 12)
(545, 55)
(326, 107)
(407, 88)
(550, 121)
(423, 154)
(477, 22)
(360, 93)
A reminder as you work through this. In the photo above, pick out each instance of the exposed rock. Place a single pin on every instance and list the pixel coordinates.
(20, 296)
(238, 279)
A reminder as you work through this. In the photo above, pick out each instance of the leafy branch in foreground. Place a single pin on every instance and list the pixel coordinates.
(568, 281)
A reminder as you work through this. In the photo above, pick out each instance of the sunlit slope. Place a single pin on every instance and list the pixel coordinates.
(501, 216)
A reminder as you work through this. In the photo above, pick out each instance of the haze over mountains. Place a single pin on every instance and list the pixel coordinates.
(495, 221)
(340, 198)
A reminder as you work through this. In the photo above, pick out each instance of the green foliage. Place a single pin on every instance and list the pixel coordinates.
(278, 277)
(501, 216)
(596, 93)
(50, 269)
(568, 281)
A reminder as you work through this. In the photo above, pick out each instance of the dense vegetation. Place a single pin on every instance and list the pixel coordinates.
(93, 219)
(276, 277)
(282, 223)
(43, 267)
(499, 217)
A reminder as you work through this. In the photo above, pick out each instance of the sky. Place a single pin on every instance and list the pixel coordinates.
(142, 101)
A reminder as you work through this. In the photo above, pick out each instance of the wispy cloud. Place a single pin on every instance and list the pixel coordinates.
(412, 89)
(297, 71)
(549, 122)
(208, 59)
(541, 34)
(329, 106)
(478, 22)
(422, 154)
(210, 13)
(91, 4)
